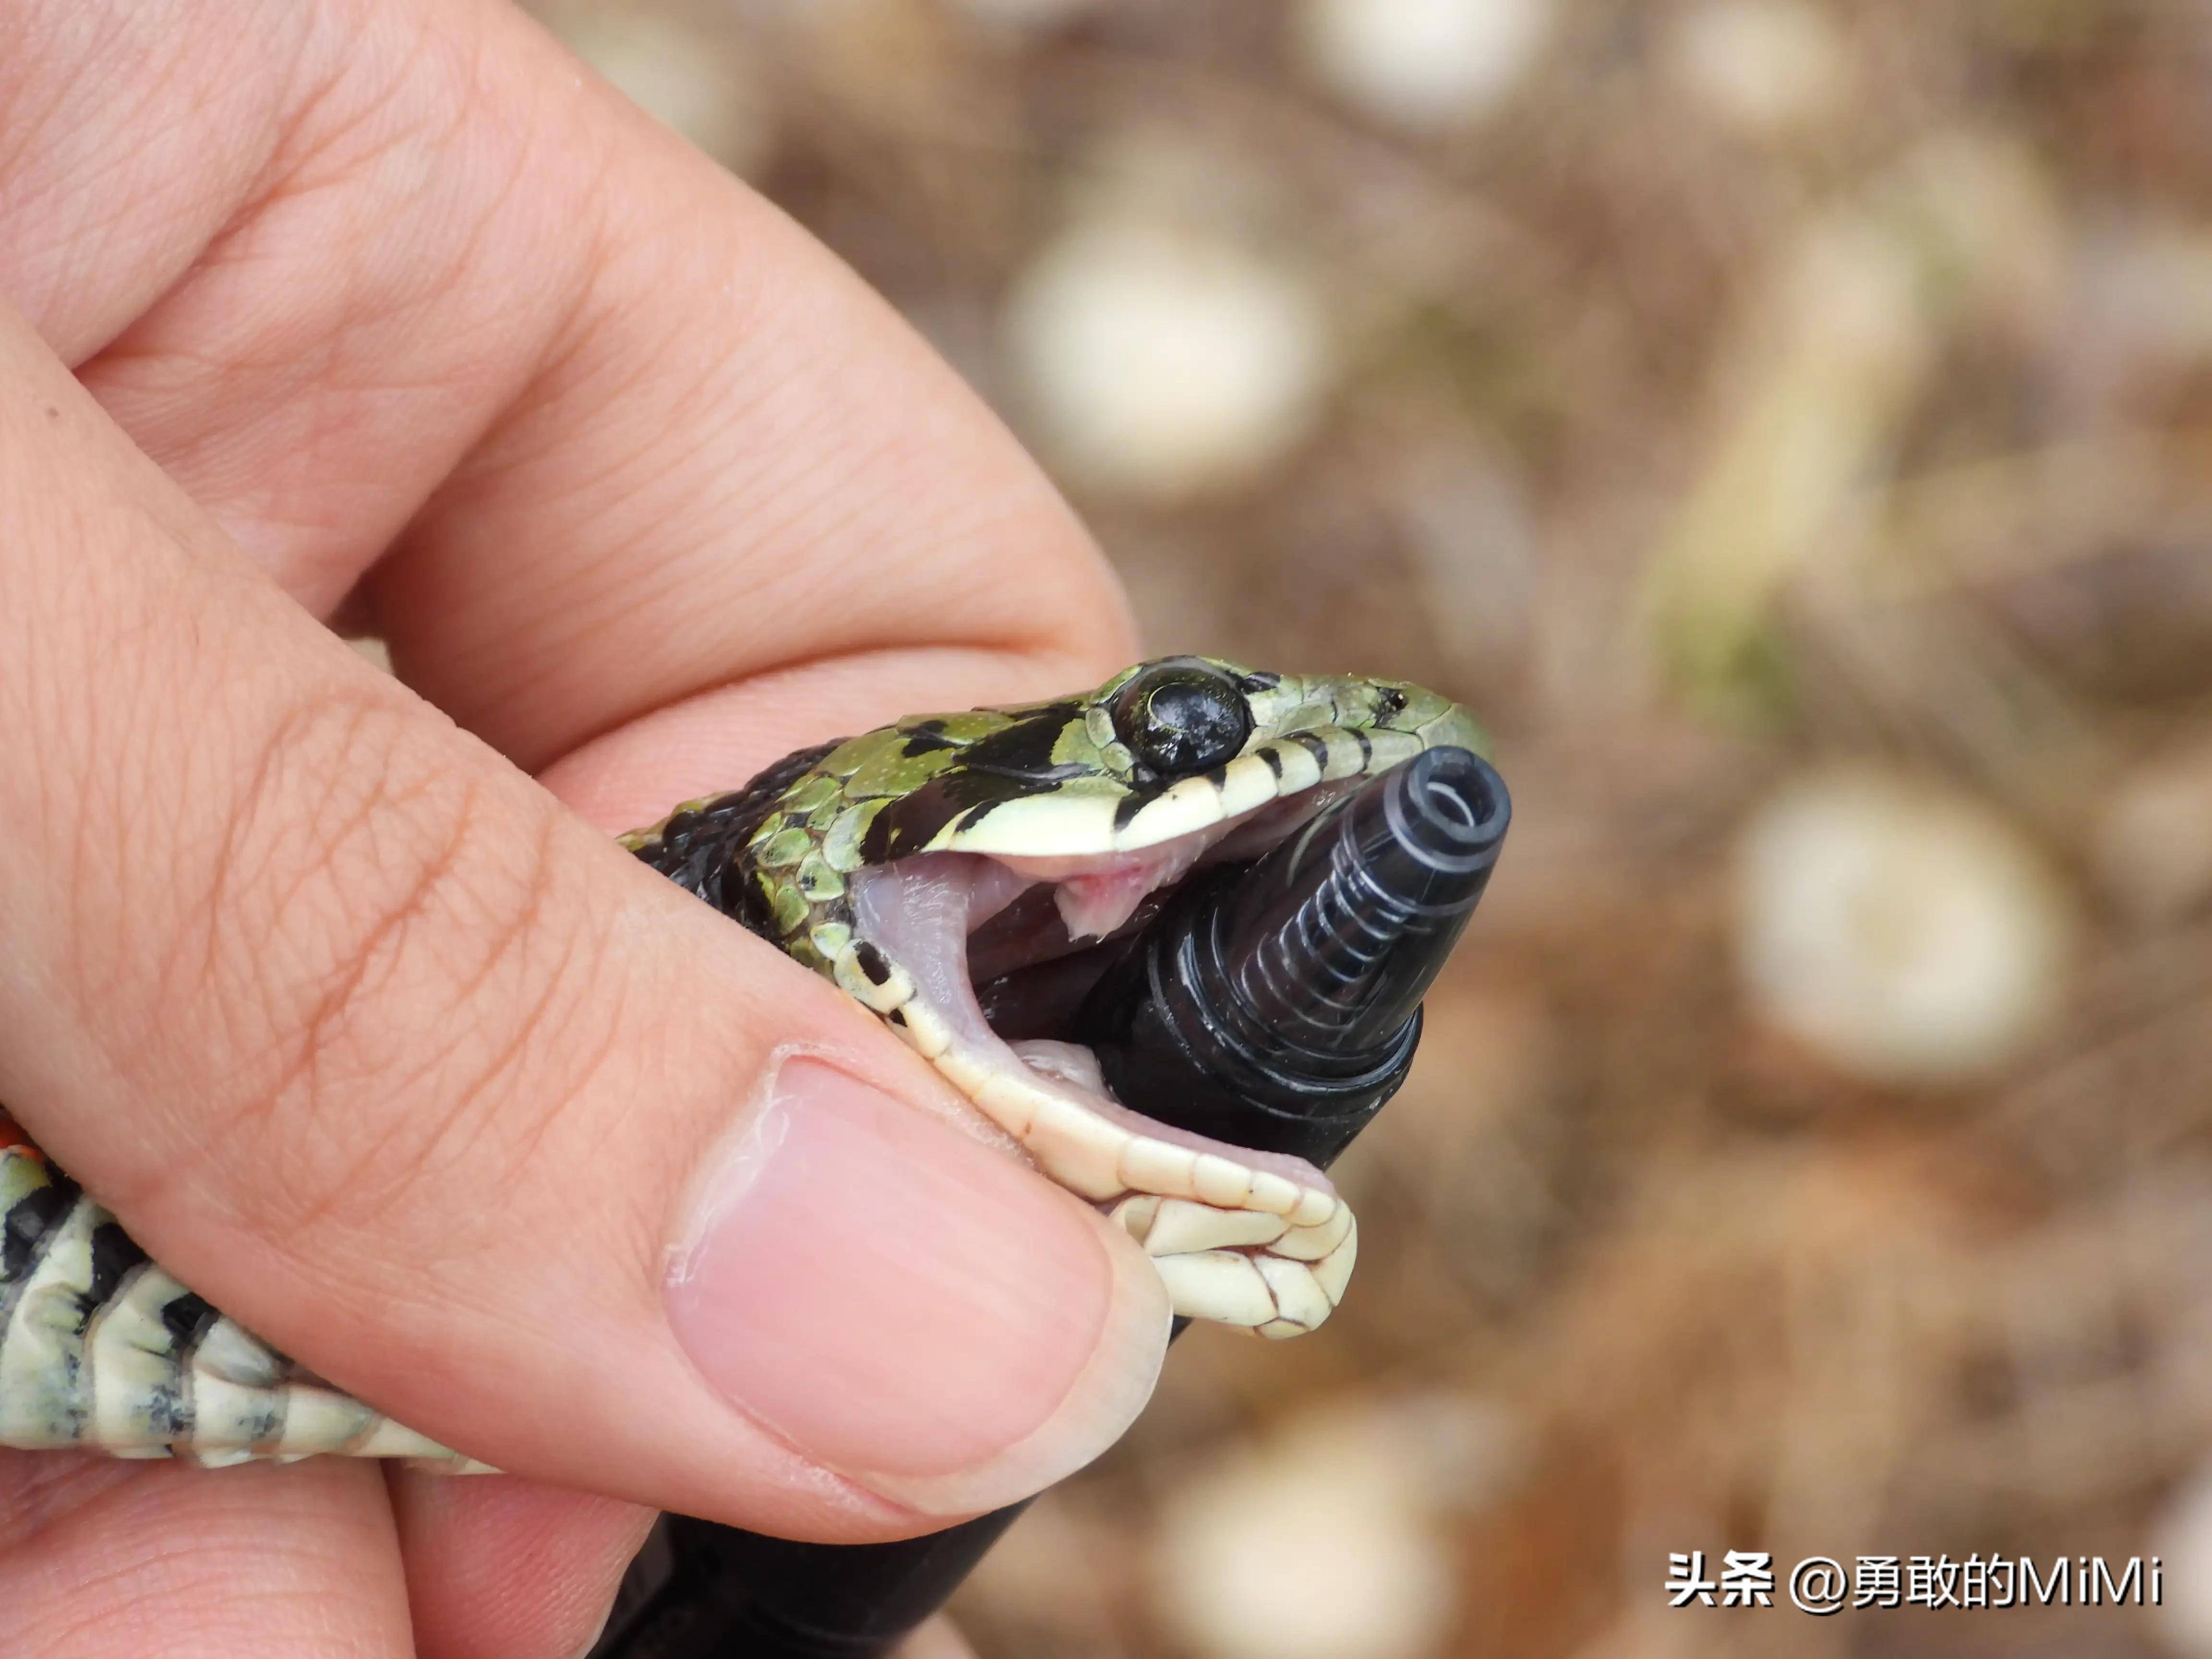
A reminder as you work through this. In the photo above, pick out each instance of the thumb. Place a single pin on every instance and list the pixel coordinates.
(379, 1049)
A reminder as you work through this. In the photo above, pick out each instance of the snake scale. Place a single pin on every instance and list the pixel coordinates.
(963, 877)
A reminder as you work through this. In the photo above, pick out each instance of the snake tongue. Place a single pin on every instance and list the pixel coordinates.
(1095, 895)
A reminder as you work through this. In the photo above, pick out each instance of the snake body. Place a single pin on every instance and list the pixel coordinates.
(960, 876)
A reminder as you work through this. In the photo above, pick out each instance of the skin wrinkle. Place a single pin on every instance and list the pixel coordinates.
(41, 1487)
(297, 1090)
(610, 1005)
(621, 597)
(98, 825)
(49, 718)
(317, 123)
(379, 777)
(379, 1184)
(601, 492)
(86, 84)
(331, 830)
(567, 334)
(412, 1145)
(167, 1586)
(229, 855)
(494, 1608)
(106, 183)
(435, 260)
(444, 1147)
(231, 1617)
(261, 470)
(373, 1177)
(270, 794)
(769, 511)
(597, 322)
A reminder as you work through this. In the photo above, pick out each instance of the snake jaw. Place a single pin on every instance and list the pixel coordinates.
(1256, 1240)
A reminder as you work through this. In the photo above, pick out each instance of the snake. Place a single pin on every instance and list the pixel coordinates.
(964, 877)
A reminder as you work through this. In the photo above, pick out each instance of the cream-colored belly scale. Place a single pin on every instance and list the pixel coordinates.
(102, 1349)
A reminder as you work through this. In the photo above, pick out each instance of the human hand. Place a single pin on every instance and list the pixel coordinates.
(385, 305)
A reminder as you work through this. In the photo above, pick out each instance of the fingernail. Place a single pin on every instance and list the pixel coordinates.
(909, 1306)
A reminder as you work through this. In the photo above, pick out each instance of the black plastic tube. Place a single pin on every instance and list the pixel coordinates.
(1275, 1004)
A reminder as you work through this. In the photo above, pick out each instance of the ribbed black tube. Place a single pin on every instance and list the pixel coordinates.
(1328, 945)
(1277, 1004)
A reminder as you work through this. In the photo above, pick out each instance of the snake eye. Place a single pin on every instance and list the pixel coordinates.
(1182, 716)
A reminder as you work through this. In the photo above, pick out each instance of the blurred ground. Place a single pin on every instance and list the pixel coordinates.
(1786, 423)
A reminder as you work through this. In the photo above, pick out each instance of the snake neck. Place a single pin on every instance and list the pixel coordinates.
(706, 846)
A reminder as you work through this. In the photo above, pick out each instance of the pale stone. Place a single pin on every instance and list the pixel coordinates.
(1163, 363)
(1906, 933)
(1330, 1540)
(1422, 64)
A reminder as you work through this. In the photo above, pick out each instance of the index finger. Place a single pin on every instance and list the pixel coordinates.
(631, 434)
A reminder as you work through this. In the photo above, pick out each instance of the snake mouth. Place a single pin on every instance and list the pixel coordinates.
(1004, 947)
(1028, 935)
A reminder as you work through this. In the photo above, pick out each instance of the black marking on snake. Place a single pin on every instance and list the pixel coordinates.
(26, 1236)
(1260, 680)
(113, 1255)
(702, 851)
(1008, 765)
(1275, 758)
(1366, 749)
(1314, 744)
(927, 738)
(164, 1407)
(188, 1319)
(907, 822)
(896, 1016)
(1146, 786)
(29, 1227)
(169, 1408)
(1024, 748)
(1136, 801)
(872, 963)
(978, 814)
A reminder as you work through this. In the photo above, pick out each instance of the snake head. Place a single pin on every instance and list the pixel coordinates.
(968, 876)
(1142, 775)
